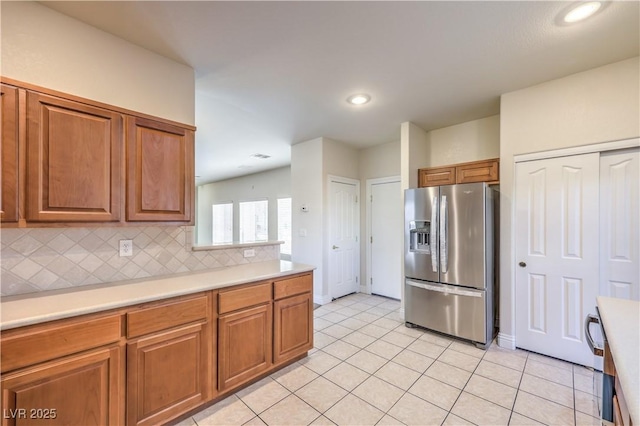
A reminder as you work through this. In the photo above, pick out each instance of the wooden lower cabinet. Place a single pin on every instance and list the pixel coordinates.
(244, 345)
(83, 389)
(168, 373)
(292, 327)
(149, 364)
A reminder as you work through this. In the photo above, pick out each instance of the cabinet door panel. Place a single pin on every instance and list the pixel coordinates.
(167, 374)
(83, 389)
(73, 161)
(244, 345)
(293, 327)
(436, 176)
(160, 176)
(9, 146)
(479, 171)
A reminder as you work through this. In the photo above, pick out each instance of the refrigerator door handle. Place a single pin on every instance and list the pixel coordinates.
(434, 234)
(444, 231)
(445, 289)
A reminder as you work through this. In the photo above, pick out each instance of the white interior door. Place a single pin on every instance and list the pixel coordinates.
(344, 262)
(386, 238)
(556, 242)
(619, 224)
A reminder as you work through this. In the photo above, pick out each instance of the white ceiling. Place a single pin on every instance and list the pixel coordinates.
(272, 74)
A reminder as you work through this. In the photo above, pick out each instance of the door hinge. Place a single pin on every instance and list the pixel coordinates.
(371, 240)
(356, 280)
(371, 280)
(356, 238)
(371, 198)
(356, 198)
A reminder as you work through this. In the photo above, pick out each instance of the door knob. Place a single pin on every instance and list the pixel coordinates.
(522, 265)
(335, 247)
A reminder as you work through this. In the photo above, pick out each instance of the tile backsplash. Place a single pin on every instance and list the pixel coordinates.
(40, 259)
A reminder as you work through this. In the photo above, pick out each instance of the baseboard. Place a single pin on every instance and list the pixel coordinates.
(506, 341)
(321, 299)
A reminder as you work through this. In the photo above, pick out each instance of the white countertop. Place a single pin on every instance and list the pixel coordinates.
(34, 308)
(621, 321)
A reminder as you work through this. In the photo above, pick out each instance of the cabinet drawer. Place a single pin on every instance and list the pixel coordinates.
(49, 342)
(231, 300)
(167, 315)
(292, 286)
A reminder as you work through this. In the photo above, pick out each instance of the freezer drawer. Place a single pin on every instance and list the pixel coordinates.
(460, 312)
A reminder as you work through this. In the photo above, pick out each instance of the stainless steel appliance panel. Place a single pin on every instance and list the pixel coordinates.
(452, 310)
(463, 235)
(421, 233)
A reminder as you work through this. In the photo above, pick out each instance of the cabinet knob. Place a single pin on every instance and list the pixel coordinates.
(522, 265)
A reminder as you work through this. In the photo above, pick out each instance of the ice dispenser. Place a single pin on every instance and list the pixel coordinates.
(420, 236)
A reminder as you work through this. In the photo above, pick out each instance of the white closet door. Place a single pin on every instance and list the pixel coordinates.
(386, 241)
(344, 263)
(556, 241)
(619, 224)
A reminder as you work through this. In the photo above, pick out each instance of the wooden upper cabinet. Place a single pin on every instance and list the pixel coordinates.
(160, 171)
(9, 146)
(73, 161)
(436, 176)
(476, 171)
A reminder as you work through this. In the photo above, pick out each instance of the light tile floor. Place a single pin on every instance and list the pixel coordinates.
(367, 368)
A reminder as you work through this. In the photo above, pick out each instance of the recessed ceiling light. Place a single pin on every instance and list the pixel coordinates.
(359, 99)
(582, 11)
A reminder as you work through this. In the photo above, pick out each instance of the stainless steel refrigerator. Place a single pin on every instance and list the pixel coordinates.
(449, 260)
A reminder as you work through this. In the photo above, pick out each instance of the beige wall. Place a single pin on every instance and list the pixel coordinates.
(49, 49)
(307, 189)
(414, 151)
(599, 105)
(470, 141)
(270, 185)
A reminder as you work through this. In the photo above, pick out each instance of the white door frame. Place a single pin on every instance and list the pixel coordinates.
(327, 237)
(366, 286)
(508, 341)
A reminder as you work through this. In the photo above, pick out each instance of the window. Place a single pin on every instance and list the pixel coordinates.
(222, 226)
(254, 220)
(284, 225)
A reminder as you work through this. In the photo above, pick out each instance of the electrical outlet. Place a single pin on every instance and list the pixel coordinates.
(126, 248)
(249, 253)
